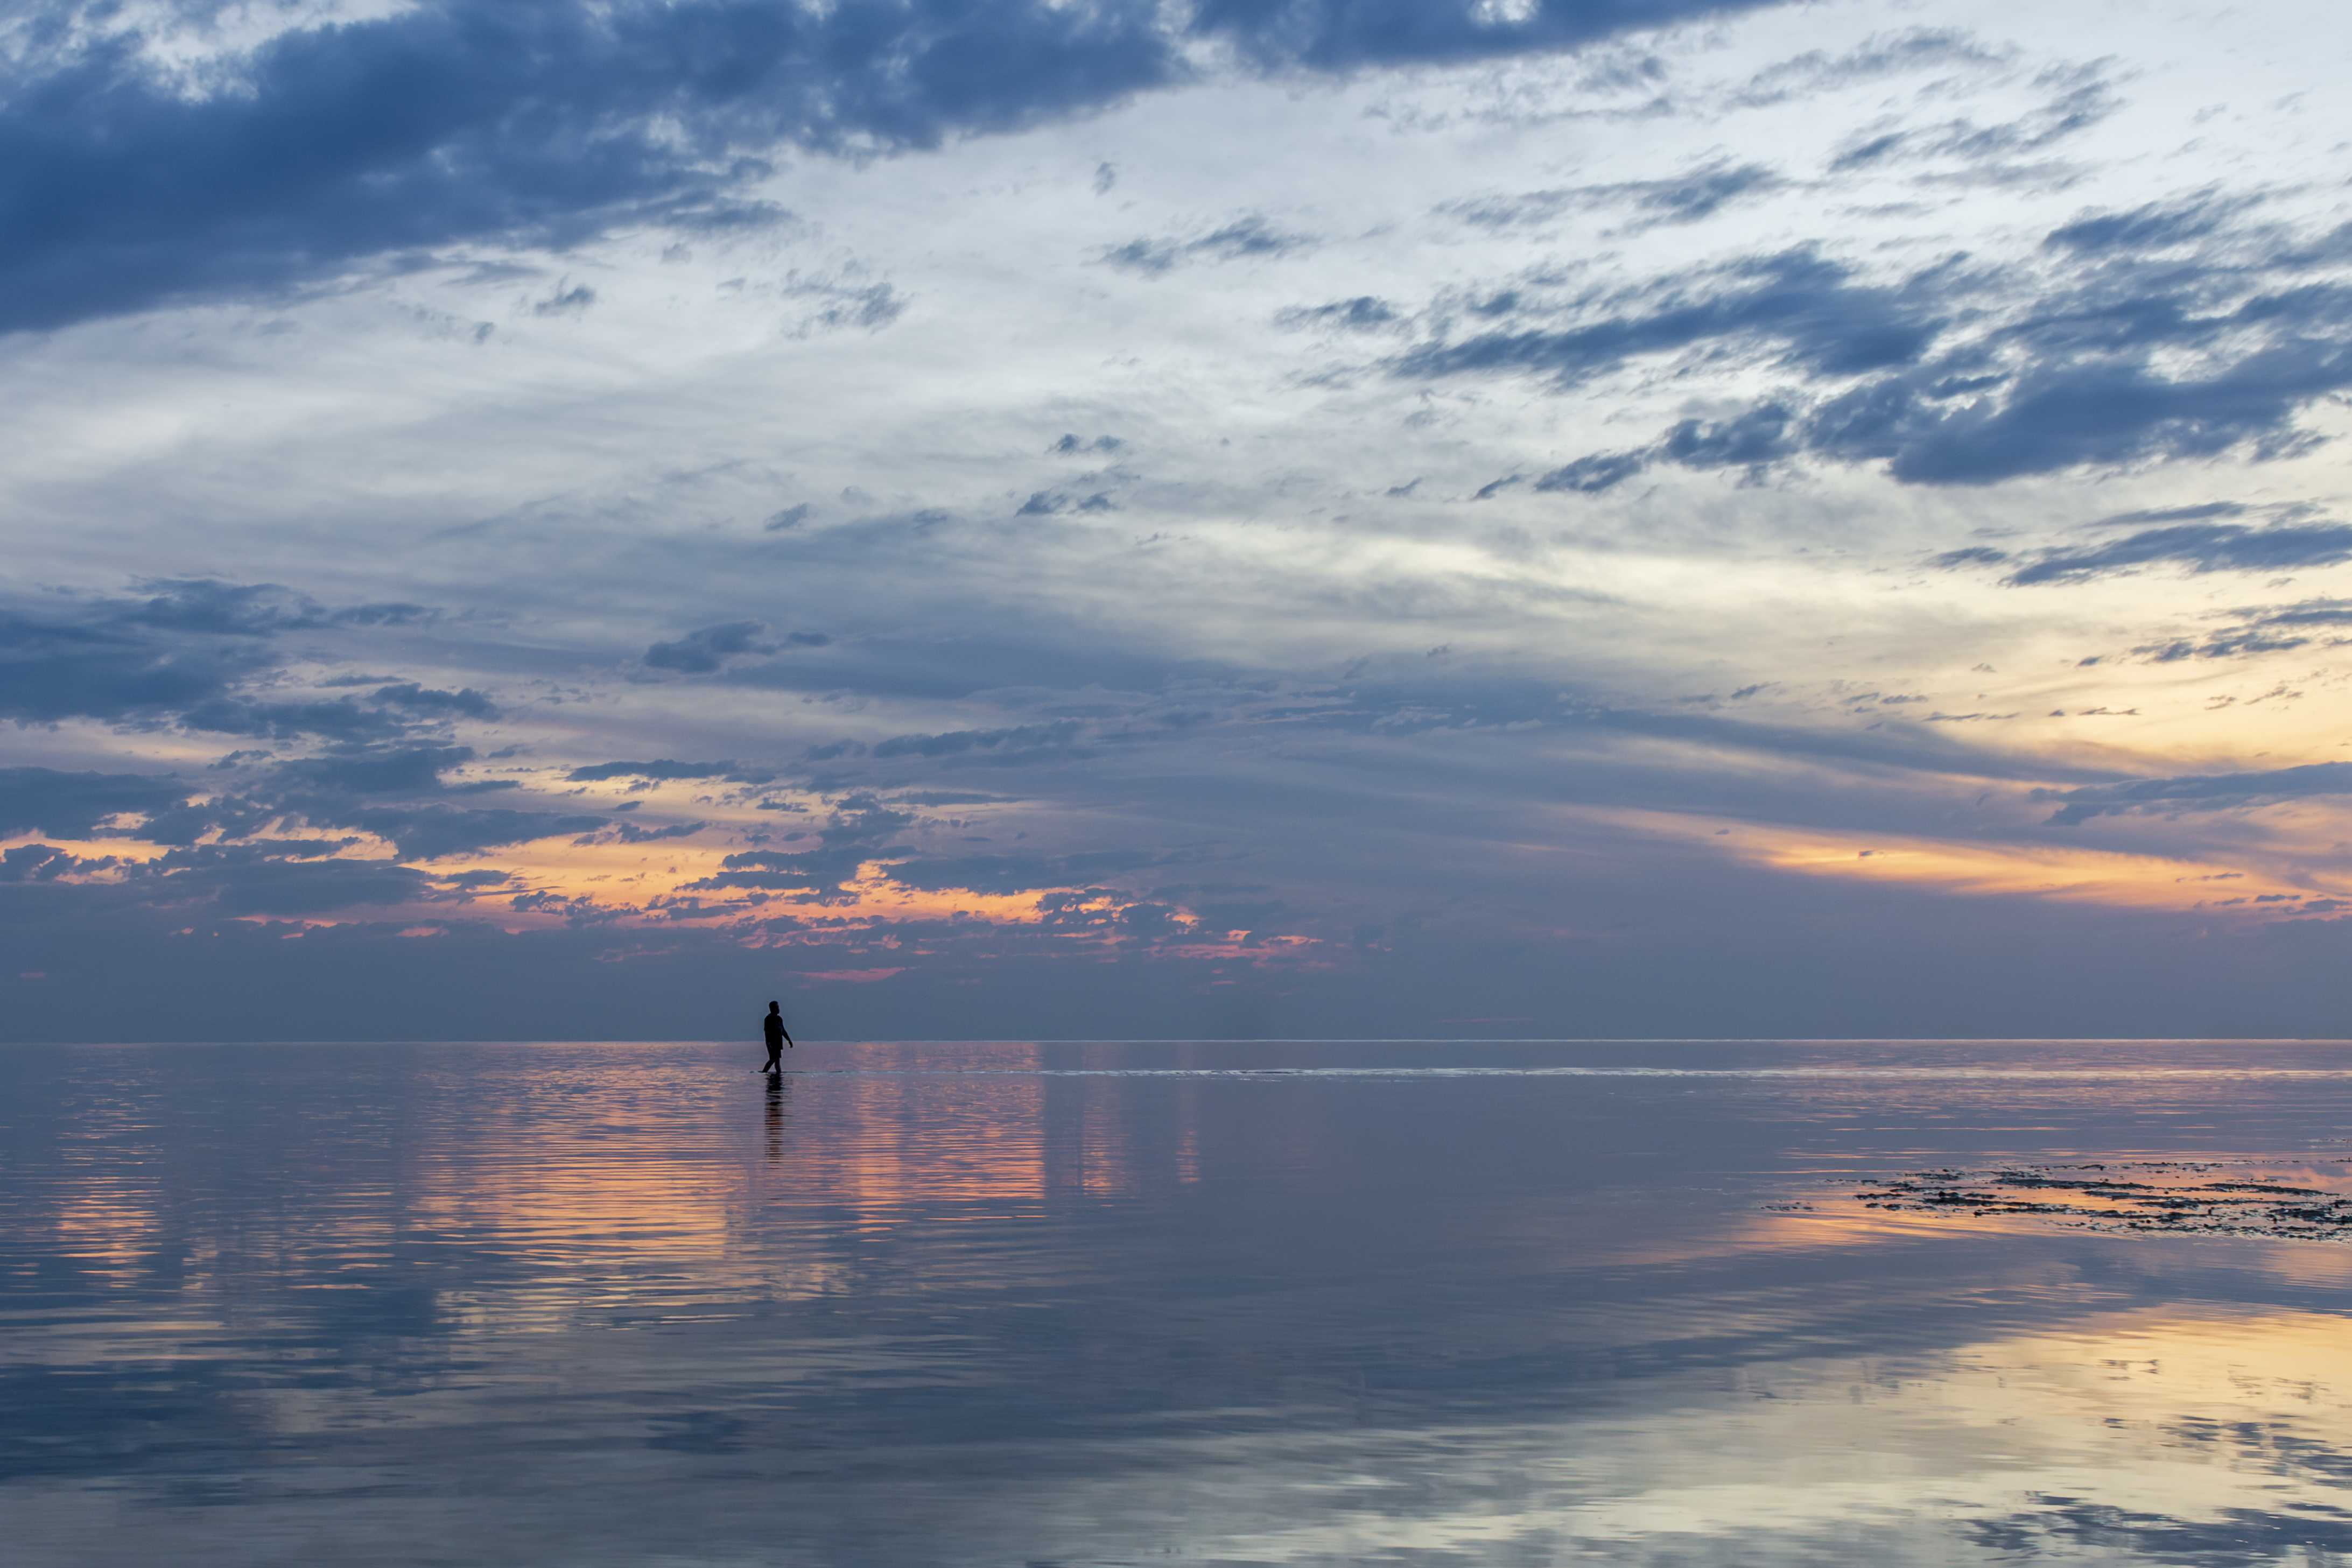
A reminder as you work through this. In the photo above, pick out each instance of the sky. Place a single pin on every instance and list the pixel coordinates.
(988, 518)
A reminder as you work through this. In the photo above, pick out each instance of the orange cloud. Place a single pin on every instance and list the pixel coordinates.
(1972, 868)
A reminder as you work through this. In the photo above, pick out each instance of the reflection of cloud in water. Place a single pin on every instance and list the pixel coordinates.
(1013, 1302)
(2196, 1438)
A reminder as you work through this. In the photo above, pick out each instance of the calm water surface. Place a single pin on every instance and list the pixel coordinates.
(1073, 1305)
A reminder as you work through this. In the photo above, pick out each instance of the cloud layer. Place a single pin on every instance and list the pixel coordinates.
(997, 518)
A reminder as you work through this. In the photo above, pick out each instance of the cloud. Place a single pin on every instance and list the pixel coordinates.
(853, 834)
(46, 862)
(405, 770)
(571, 302)
(1955, 375)
(1594, 475)
(182, 652)
(707, 650)
(1340, 35)
(317, 150)
(1074, 445)
(314, 151)
(1243, 238)
(630, 833)
(1816, 71)
(430, 832)
(1696, 194)
(2155, 226)
(2063, 414)
(1816, 312)
(1364, 313)
(1002, 873)
(601, 772)
(1752, 440)
(2080, 97)
(248, 881)
(1018, 738)
(52, 670)
(1048, 503)
(2265, 631)
(2199, 792)
(72, 805)
(833, 306)
(2200, 547)
(465, 703)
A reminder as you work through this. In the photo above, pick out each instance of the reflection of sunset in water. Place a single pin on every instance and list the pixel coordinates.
(1339, 1302)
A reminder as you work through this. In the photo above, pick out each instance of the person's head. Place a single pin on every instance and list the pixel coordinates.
(776, 1006)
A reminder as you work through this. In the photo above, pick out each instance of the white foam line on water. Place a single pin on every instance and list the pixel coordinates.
(1961, 1074)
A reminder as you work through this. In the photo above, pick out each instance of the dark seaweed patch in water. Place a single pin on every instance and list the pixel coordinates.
(2169, 1195)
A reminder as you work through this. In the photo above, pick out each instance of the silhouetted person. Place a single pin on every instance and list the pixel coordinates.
(774, 1026)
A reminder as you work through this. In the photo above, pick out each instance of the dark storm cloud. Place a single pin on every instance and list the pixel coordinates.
(2199, 792)
(1243, 238)
(330, 147)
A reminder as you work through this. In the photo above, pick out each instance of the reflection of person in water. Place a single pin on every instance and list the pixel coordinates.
(774, 1026)
(775, 1116)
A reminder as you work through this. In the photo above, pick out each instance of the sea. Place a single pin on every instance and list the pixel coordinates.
(1297, 1303)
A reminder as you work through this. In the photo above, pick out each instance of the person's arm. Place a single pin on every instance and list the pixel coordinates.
(788, 1035)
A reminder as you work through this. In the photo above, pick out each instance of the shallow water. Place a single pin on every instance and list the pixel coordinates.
(1329, 1302)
